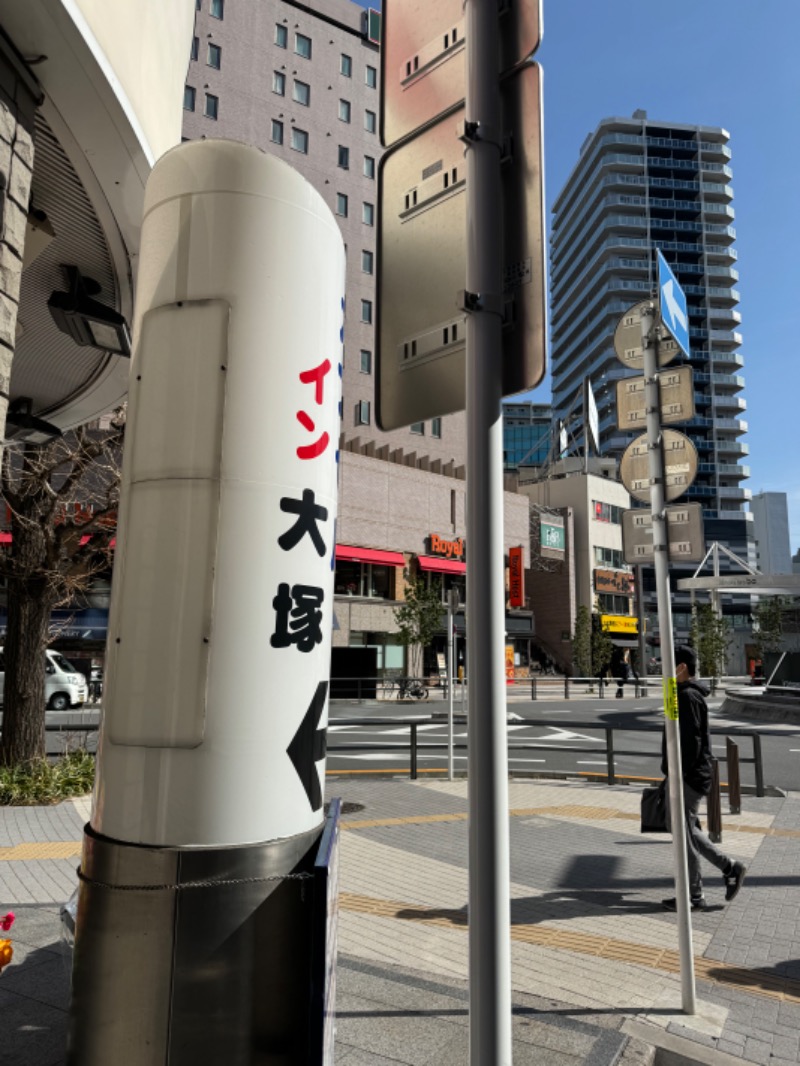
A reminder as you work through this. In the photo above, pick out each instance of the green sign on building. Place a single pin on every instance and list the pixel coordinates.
(552, 539)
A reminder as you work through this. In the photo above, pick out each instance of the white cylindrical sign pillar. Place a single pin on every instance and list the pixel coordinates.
(222, 605)
(196, 927)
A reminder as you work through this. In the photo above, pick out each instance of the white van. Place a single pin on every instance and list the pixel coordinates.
(64, 686)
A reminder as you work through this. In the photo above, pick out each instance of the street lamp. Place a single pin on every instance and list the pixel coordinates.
(87, 321)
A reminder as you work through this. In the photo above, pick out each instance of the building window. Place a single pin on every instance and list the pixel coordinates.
(446, 582)
(188, 98)
(368, 214)
(300, 141)
(217, 9)
(366, 361)
(362, 413)
(371, 77)
(609, 604)
(369, 121)
(302, 45)
(607, 512)
(195, 47)
(366, 311)
(418, 428)
(198, 5)
(301, 93)
(341, 204)
(276, 134)
(278, 83)
(345, 65)
(609, 557)
(344, 110)
(369, 166)
(212, 106)
(436, 428)
(214, 56)
(362, 579)
(344, 157)
(281, 35)
(367, 261)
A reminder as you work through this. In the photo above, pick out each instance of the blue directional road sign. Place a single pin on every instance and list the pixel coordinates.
(672, 303)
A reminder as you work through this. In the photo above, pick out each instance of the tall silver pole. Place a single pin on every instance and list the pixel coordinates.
(657, 502)
(489, 888)
(641, 622)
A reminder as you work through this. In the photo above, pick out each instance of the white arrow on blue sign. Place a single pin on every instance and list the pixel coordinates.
(672, 304)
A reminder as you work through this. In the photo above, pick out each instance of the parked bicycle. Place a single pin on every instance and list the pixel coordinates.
(411, 688)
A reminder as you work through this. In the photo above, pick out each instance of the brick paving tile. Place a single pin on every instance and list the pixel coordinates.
(758, 1051)
(730, 1048)
(784, 1047)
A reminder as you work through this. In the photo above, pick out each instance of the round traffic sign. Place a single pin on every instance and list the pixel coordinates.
(628, 339)
(680, 465)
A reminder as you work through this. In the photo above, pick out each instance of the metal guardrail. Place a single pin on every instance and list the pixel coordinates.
(610, 751)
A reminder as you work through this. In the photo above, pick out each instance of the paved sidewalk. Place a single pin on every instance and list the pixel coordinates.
(595, 968)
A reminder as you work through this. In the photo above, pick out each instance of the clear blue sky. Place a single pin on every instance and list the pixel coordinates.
(732, 64)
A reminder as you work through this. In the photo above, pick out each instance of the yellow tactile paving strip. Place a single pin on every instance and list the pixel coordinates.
(564, 811)
(764, 984)
(45, 849)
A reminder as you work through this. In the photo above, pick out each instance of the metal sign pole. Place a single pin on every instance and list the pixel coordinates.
(640, 618)
(489, 888)
(659, 519)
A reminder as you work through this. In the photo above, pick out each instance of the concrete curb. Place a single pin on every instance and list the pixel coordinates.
(759, 709)
(668, 1049)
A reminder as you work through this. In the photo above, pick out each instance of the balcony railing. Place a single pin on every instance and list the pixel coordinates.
(735, 425)
(725, 358)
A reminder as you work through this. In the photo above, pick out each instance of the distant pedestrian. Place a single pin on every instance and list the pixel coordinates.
(620, 668)
(695, 743)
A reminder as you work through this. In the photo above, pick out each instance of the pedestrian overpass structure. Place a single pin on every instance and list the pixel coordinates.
(748, 580)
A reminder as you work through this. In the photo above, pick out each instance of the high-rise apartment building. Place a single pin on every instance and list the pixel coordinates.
(302, 81)
(637, 186)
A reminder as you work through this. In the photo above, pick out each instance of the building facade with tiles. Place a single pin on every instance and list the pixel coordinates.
(395, 519)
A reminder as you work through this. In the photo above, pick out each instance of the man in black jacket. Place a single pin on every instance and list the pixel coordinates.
(696, 770)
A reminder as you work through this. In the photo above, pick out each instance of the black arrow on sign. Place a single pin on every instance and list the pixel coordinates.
(309, 745)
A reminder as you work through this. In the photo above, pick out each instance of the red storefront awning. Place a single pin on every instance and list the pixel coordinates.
(348, 553)
(441, 566)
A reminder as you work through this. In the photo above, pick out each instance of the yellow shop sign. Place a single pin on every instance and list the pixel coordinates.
(619, 623)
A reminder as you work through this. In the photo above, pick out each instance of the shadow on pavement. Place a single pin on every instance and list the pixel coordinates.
(34, 999)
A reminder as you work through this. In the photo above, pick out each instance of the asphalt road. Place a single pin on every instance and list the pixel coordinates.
(542, 726)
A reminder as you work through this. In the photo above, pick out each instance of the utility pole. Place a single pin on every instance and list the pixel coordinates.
(650, 341)
(489, 874)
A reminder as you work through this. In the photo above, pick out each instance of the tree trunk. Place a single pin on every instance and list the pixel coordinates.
(29, 609)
